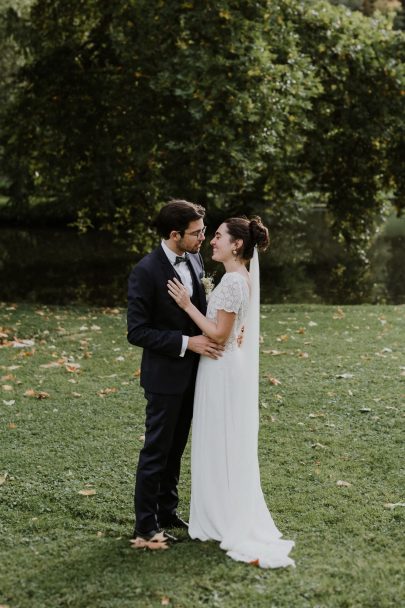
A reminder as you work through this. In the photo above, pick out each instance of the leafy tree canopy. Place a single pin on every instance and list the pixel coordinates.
(262, 107)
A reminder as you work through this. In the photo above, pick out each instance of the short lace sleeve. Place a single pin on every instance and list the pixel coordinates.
(230, 294)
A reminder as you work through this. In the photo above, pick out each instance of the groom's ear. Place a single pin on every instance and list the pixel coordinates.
(175, 235)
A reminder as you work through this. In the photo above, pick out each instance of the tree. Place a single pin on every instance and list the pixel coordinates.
(355, 151)
(247, 107)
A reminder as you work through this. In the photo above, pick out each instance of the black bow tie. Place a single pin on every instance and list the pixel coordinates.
(180, 259)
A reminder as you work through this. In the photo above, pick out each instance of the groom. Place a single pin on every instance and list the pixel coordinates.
(171, 345)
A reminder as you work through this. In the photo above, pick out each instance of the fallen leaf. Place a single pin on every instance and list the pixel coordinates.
(7, 387)
(343, 484)
(12, 425)
(364, 410)
(76, 394)
(8, 378)
(22, 343)
(318, 445)
(301, 330)
(120, 358)
(51, 364)
(107, 391)
(274, 353)
(159, 542)
(339, 314)
(95, 328)
(317, 415)
(272, 380)
(137, 373)
(254, 562)
(346, 376)
(282, 338)
(3, 478)
(11, 402)
(36, 394)
(312, 324)
(165, 601)
(87, 492)
(303, 355)
(72, 368)
(141, 437)
(394, 505)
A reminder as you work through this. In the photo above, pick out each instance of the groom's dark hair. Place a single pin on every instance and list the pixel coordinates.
(176, 215)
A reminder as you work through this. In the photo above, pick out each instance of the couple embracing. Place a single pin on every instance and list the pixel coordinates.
(195, 365)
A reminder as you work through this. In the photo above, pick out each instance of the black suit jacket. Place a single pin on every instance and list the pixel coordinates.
(157, 323)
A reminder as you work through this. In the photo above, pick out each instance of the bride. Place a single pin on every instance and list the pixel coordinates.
(227, 502)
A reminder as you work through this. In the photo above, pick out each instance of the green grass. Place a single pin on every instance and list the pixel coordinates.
(62, 549)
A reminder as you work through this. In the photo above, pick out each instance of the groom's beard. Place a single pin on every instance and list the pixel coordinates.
(190, 247)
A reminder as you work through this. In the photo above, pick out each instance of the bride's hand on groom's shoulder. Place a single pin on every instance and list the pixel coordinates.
(203, 345)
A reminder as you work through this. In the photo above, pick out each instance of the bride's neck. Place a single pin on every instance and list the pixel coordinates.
(234, 265)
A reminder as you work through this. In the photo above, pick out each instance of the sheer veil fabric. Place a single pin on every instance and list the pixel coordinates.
(227, 502)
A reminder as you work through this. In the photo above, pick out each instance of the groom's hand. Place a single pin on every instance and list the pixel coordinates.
(205, 346)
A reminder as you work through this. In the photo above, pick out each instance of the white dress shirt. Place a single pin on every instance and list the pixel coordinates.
(184, 273)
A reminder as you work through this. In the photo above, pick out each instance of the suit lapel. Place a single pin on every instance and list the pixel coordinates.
(195, 269)
(197, 274)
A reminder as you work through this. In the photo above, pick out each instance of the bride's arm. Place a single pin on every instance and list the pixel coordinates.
(218, 331)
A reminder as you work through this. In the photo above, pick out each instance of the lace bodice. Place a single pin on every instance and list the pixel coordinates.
(231, 295)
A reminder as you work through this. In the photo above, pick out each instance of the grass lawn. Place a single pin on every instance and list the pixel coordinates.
(71, 420)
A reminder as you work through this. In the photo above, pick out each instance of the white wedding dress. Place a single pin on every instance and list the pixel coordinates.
(227, 502)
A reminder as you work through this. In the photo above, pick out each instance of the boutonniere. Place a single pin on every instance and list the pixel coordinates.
(208, 283)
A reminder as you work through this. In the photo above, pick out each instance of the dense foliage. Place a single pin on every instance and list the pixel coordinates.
(265, 106)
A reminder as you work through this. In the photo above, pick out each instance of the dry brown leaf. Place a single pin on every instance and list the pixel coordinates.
(8, 378)
(7, 387)
(165, 601)
(51, 364)
(141, 437)
(3, 478)
(339, 314)
(255, 562)
(36, 394)
(303, 355)
(274, 353)
(282, 338)
(317, 415)
(137, 373)
(87, 492)
(73, 368)
(12, 425)
(318, 445)
(158, 542)
(300, 330)
(343, 484)
(272, 380)
(107, 391)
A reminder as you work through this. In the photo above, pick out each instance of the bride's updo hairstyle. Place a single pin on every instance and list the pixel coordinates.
(251, 232)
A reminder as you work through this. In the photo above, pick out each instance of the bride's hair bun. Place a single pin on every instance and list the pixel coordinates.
(251, 232)
(259, 234)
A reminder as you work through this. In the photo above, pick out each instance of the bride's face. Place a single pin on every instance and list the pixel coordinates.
(222, 245)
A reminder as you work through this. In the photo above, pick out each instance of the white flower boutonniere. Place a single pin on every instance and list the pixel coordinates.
(208, 284)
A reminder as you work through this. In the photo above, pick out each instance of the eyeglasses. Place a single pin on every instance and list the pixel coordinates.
(198, 233)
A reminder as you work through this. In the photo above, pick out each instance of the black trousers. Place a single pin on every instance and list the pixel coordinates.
(168, 421)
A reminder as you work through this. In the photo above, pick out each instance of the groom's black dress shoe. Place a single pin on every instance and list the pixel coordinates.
(149, 535)
(174, 521)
